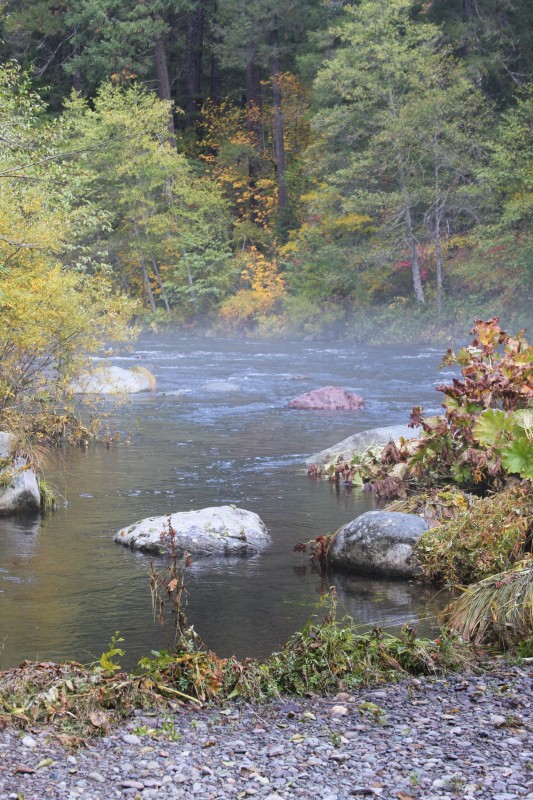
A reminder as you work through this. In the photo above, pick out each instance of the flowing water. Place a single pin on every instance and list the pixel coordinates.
(66, 587)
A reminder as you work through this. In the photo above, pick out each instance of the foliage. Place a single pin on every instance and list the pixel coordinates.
(167, 225)
(265, 288)
(471, 444)
(487, 537)
(52, 317)
(393, 163)
(498, 609)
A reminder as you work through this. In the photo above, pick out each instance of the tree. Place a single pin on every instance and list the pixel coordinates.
(51, 317)
(390, 152)
(167, 224)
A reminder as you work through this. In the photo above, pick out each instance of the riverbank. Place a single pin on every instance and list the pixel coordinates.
(466, 735)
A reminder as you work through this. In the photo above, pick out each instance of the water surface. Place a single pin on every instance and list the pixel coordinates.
(66, 587)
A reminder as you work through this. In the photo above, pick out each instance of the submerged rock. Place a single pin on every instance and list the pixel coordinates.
(329, 398)
(221, 386)
(115, 380)
(19, 490)
(359, 442)
(379, 542)
(222, 530)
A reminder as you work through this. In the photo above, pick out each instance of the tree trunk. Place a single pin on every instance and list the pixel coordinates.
(214, 71)
(189, 279)
(415, 266)
(279, 144)
(163, 83)
(252, 77)
(160, 283)
(77, 83)
(144, 272)
(468, 8)
(195, 41)
(438, 214)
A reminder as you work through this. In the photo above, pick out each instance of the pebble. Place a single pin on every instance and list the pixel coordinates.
(429, 748)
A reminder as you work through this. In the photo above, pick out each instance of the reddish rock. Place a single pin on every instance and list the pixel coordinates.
(330, 398)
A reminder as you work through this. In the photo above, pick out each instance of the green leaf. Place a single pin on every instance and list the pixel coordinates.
(492, 427)
(518, 457)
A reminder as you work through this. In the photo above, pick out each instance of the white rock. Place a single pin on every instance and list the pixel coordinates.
(338, 711)
(359, 442)
(219, 530)
(27, 741)
(106, 379)
(21, 493)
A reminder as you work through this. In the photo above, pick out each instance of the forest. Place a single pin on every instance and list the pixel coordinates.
(275, 167)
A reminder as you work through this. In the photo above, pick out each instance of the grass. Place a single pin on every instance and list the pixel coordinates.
(497, 610)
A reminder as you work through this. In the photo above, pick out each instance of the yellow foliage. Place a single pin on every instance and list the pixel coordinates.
(265, 287)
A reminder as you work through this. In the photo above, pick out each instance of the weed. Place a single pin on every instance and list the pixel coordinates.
(414, 779)
(334, 736)
(47, 494)
(169, 730)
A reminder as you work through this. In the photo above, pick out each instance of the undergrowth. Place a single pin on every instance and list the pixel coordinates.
(488, 537)
(325, 657)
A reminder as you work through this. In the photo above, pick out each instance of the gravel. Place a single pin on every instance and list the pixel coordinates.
(463, 737)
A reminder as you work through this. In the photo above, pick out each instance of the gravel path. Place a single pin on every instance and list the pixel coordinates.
(464, 737)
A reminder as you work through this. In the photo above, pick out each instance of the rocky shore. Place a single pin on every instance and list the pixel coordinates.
(466, 736)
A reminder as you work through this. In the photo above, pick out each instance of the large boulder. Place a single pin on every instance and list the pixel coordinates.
(115, 380)
(359, 442)
(19, 490)
(222, 530)
(329, 398)
(378, 542)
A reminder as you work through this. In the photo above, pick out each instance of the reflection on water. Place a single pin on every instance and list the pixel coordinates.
(65, 587)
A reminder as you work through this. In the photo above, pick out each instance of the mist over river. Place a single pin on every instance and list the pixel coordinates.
(66, 587)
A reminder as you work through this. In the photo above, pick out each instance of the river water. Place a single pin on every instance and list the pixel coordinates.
(66, 587)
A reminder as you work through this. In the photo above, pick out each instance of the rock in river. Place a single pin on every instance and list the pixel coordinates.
(221, 530)
(378, 542)
(115, 380)
(360, 442)
(329, 398)
(19, 490)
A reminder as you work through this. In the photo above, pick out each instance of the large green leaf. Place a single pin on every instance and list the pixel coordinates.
(492, 427)
(518, 457)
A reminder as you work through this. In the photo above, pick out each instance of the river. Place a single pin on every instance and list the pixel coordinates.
(66, 587)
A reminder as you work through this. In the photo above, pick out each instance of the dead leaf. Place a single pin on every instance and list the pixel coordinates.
(98, 719)
(22, 770)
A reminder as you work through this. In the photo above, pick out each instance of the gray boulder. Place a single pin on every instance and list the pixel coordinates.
(106, 379)
(222, 530)
(379, 542)
(19, 490)
(359, 442)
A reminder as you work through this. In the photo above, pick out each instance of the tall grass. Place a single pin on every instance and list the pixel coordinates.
(498, 609)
